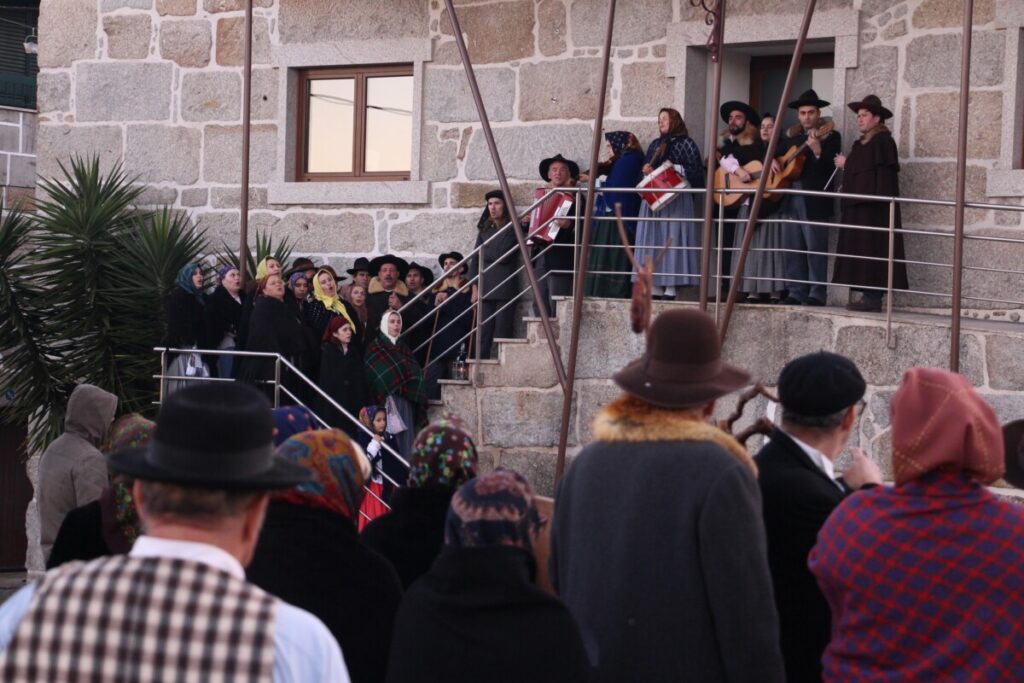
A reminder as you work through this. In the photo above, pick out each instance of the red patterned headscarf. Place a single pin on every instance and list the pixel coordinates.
(339, 467)
(940, 423)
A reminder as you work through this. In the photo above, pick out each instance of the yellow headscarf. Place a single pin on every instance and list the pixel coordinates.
(262, 270)
(331, 303)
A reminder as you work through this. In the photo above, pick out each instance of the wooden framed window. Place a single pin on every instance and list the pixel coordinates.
(355, 123)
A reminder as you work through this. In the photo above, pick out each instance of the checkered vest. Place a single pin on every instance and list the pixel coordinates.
(126, 618)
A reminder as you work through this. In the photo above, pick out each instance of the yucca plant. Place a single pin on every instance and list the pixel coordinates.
(264, 247)
(86, 282)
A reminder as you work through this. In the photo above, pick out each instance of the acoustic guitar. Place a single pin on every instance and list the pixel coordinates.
(728, 181)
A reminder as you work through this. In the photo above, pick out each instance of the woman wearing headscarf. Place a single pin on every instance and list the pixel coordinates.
(224, 315)
(267, 266)
(298, 293)
(412, 534)
(289, 421)
(297, 298)
(496, 285)
(680, 266)
(396, 380)
(342, 376)
(607, 253)
(186, 325)
(309, 555)
(110, 525)
(375, 440)
(273, 328)
(477, 614)
(326, 304)
(923, 578)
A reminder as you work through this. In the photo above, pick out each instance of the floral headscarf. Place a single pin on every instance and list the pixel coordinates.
(291, 420)
(185, 280)
(339, 467)
(119, 519)
(443, 455)
(618, 139)
(128, 431)
(494, 509)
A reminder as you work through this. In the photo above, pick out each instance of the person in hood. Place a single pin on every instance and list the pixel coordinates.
(72, 471)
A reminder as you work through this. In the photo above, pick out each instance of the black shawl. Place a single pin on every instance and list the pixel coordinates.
(343, 377)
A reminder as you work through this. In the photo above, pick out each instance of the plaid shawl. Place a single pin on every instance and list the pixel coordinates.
(924, 582)
(392, 369)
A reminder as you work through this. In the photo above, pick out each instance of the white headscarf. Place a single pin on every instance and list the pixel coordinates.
(384, 324)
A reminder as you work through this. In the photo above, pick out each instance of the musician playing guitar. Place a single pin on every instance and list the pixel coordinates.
(800, 239)
(738, 145)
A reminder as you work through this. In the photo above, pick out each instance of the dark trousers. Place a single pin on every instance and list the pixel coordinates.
(502, 326)
(801, 267)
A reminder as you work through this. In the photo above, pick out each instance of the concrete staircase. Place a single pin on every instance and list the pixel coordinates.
(515, 407)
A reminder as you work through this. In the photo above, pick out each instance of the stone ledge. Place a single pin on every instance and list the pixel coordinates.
(1003, 182)
(387, 192)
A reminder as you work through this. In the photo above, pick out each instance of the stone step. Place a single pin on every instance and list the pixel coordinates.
(482, 361)
(455, 382)
(511, 340)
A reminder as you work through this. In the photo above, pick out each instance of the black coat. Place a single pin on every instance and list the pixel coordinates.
(317, 317)
(80, 536)
(412, 534)
(501, 258)
(343, 377)
(223, 315)
(817, 172)
(186, 321)
(272, 328)
(797, 498)
(476, 616)
(454, 321)
(312, 559)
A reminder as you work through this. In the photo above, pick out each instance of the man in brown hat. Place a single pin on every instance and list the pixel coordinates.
(658, 547)
(871, 169)
(806, 256)
(178, 607)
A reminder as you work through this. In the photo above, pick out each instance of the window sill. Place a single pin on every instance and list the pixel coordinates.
(374, 192)
(1002, 182)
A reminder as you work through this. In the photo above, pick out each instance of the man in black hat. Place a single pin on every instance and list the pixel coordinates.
(658, 546)
(556, 261)
(386, 290)
(738, 145)
(178, 607)
(418, 278)
(821, 397)
(302, 265)
(806, 245)
(360, 272)
(872, 168)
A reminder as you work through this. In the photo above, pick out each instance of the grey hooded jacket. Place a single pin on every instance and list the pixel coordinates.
(72, 471)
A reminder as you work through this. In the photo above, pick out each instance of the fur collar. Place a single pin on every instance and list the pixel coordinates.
(880, 128)
(748, 136)
(629, 419)
(376, 287)
(797, 129)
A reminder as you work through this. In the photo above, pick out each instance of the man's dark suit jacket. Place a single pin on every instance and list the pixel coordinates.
(797, 498)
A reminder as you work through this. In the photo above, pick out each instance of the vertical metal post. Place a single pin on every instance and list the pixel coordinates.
(961, 177)
(243, 210)
(755, 208)
(277, 382)
(163, 374)
(481, 266)
(718, 259)
(584, 254)
(524, 251)
(888, 285)
(716, 17)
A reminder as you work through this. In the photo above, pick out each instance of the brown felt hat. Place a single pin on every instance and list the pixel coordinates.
(683, 365)
(873, 105)
(1013, 440)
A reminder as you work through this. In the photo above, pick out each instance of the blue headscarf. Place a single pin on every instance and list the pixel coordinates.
(185, 280)
(291, 420)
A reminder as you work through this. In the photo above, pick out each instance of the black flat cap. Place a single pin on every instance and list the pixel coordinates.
(820, 384)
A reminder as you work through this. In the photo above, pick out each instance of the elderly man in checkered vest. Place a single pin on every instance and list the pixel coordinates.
(177, 607)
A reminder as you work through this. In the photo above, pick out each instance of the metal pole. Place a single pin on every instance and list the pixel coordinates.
(163, 372)
(748, 231)
(584, 253)
(718, 261)
(243, 224)
(277, 382)
(715, 45)
(961, 176)
(499, 169)
(481, 266)
(888, 286)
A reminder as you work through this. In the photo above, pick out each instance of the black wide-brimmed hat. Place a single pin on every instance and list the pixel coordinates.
(820, 384)
(215, 435)
(400, 263)
(1013, 440)
(447, 255)
(300, 265)
(362, 264)
(545, 166)
(873, 105)
(425, 272)
(809, 98)
(683, 365)
(735, 105)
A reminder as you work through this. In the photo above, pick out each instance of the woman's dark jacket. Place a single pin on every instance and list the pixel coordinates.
(80, 536)
(412, 534)
(312, 558)
(318, 316)
(273, 328)
(343, 377)
(454, 321)
(477, 616)
(186, 321)
(223, 316)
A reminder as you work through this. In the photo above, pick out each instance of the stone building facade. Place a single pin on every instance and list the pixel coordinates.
(157, 84)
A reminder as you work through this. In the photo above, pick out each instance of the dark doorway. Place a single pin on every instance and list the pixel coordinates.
(15, 494)
(768, 77)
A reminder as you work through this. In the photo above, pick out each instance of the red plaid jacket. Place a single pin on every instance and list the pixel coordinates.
(925, 582)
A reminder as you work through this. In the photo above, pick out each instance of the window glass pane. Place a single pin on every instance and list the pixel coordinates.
(331, 125)
(388, 123)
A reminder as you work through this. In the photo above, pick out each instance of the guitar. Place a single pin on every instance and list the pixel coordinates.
(727, 181)
(792, 162)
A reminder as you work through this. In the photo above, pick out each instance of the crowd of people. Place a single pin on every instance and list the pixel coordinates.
(228, 541)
